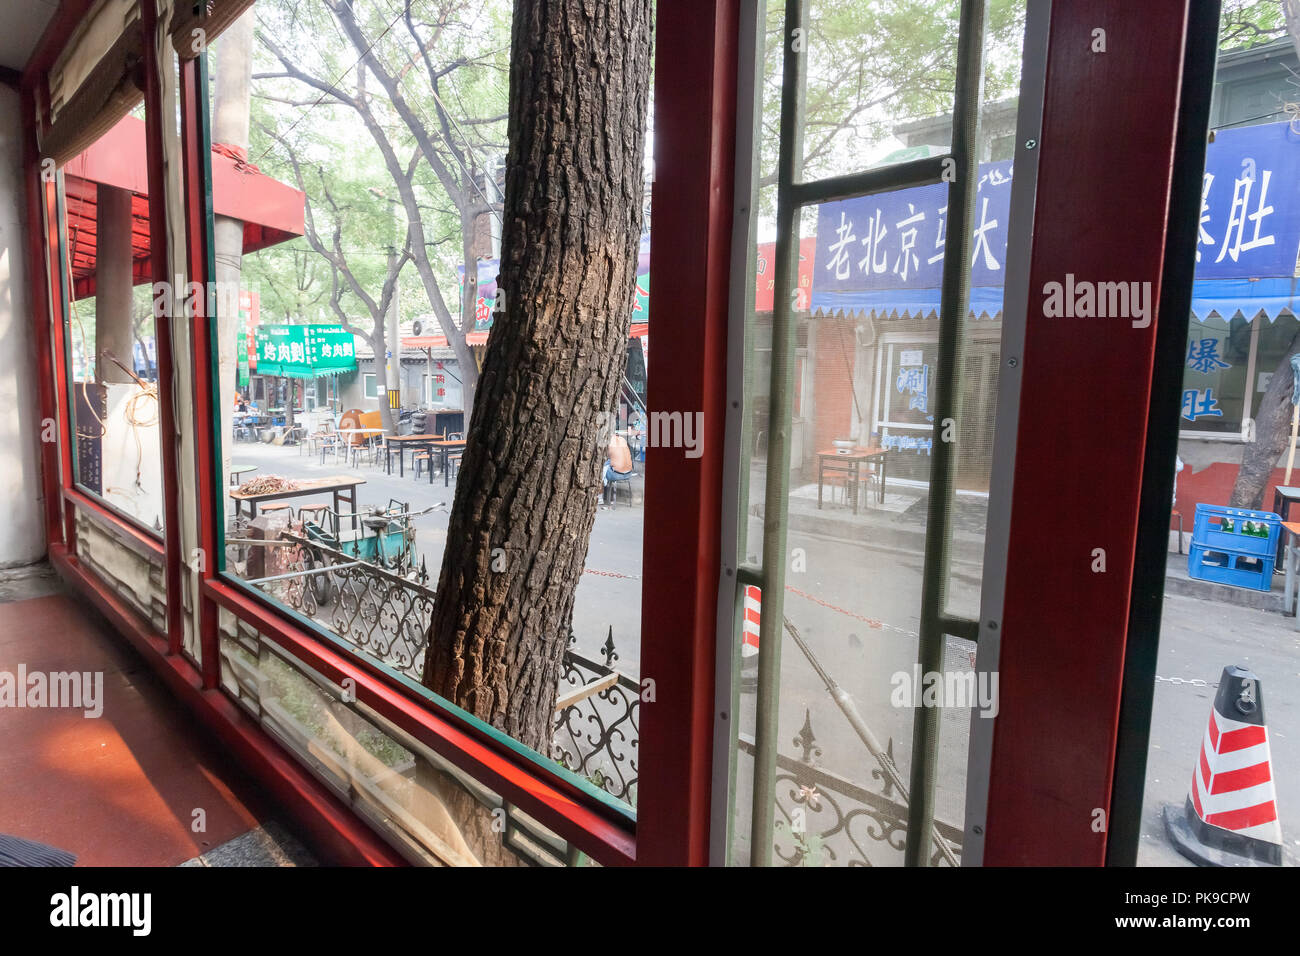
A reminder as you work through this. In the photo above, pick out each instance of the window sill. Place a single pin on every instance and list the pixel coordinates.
(604, 833)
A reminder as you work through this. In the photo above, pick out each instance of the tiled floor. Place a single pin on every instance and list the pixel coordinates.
(140, 785)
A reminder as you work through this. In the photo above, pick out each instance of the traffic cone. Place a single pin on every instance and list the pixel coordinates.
(1230, 818)
(750, 623)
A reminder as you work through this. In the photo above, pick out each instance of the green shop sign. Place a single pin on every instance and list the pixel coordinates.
(304, 351)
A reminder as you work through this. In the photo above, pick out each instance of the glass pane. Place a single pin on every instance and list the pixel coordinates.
(434, 813)
(1227, 658)
(865, 374)
(350, 352)
(110, 330)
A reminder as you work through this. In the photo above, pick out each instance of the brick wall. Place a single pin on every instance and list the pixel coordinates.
(832, 356)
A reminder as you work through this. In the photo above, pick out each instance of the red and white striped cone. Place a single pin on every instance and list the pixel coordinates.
(1230, 817)
(750, 622)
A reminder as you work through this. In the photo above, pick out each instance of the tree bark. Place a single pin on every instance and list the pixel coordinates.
(230, 118)
(1272, 435)
(526, 495)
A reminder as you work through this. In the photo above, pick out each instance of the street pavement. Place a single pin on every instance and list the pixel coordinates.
(608, 596)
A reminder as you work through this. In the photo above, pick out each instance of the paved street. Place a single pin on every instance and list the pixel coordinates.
(612, 597)
(1197, 640)
(856, 602)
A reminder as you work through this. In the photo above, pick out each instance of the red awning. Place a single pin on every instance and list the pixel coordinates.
(440, 341)
(480, 338)
(272, 211)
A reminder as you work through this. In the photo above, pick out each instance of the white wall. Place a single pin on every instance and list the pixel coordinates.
(22, 532)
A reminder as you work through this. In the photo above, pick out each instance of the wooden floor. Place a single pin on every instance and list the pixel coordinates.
(121, 789)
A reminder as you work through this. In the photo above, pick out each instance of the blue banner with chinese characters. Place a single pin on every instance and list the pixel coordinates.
(885, 252)
(1250, 204)
(895, 241)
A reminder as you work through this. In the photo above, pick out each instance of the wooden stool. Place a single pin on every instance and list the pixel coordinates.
(419, 457)
(278, 506)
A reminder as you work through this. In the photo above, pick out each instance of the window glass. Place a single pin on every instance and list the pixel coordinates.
(112, 359)
(352, 341)
(864, 379)
(1224, 586)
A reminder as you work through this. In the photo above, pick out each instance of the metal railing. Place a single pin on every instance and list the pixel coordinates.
(824, 819)
(386, 616)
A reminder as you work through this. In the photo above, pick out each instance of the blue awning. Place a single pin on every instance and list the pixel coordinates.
(985, 302)
(1227, 297)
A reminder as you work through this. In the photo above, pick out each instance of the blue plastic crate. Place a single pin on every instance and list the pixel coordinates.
(1234, 546)
(1237, 570)
(1225, 529)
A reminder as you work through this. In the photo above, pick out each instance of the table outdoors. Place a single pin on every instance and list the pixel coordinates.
(247, 423)
(445, 448)
(850, 465)
(1291, 549)
(237, 470)
(446, 420)
(342, 487)
(1284, 498)
(399, 444)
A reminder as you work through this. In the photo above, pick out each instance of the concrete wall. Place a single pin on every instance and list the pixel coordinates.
(22, 532)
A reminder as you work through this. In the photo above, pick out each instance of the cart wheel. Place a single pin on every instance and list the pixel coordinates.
(322, 587)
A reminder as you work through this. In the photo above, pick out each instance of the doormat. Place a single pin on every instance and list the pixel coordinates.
(18, 852)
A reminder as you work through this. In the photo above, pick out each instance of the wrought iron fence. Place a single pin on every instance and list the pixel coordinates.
(824, 819)
(386, 616)
(597, 721)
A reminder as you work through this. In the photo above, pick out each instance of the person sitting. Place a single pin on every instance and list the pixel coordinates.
(618, 465)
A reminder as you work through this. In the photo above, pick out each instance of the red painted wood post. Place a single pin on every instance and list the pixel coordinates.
(1104, 174)
(694, 144)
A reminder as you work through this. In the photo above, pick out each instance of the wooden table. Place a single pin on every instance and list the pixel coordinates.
(400, 443)
(1291, 550)
(342, 487)
(444, 448)
(1284, 498)
(446, 420)
(850, 465)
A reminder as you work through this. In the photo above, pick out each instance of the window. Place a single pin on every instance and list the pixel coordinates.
(109, 327)
(338, 523)
(832, 537)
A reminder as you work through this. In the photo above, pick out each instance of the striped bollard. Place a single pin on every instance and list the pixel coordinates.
(1230, 817)
(750, 622)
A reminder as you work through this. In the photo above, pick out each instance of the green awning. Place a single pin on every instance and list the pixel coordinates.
(304, 351)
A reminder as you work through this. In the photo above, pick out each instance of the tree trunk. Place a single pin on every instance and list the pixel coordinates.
(230, 116)
(1291, 13)
(1272, 434)
(526, 495)
(468, 315)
